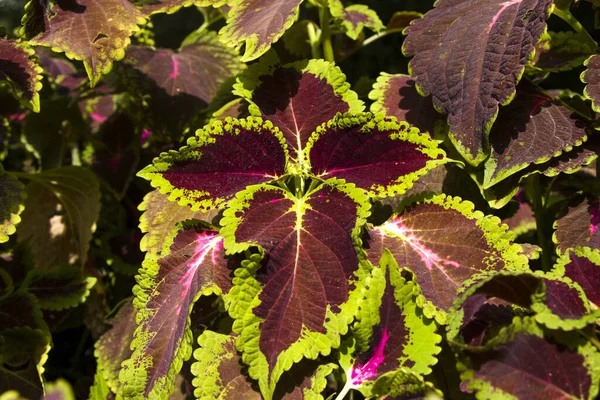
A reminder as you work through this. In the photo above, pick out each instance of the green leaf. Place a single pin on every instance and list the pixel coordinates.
(308, 243)
(151, 7)
(218, 369)
(246, 24)
(20, 69)
(12, 196)
(221, 160)
(561, 51)
(304, 381)
(61, 211)
(100, 389)
(446, 244)
(96, 33)
(353, 18)
(59, 390)
(58, 287)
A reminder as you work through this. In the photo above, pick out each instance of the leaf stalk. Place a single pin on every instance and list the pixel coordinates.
(324, 20)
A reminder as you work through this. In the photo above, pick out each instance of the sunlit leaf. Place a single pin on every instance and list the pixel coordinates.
(591, 77)
(20, 69)
(12, 196)
(582, 266)
(354, 18)
(470, 55)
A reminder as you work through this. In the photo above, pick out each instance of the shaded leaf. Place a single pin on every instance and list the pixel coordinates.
(61, 211)
(397, 96)
(402, 19)
(528, 366)
(167, 288)
(112, 348)
(531, 129)
(222, 159)
(297, 97)
(300, 301)
(488, 43)
(431, 240)
(20, 69)
(150, 7)
(59, 390)
(12, 196)
(376, 154)
(96, 33)
(353, 18)
(247, 23)
(218, 370)
(304, 381)
(591, 77)
(561, 51)
(58, 287)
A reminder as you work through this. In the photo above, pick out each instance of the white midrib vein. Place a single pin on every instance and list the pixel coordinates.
(298, 141)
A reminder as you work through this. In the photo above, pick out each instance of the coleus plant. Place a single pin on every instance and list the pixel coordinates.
(296, 246)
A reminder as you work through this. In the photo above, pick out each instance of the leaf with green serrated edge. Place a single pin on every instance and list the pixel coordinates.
(176, 86)
(531, 130)
(296, 97)
(522, 221)
(58, 287)
(300, 302)
(445, 244)
(150, 7)
(107, 27)
(591, 77)
(582, 266)
(391, 331)
(561, 51)
(306, 380)
(61, 211)
(218, 370)
(160, 217)
(397, 96)
(222, 159)
(167, 289)
(12, 196)
(353, 18)
(258, 23)
(401, 19)
(568, 163)
(579, 226)
(404, 385)
(376, 154)
(100, 390)
(112, 348)
(59, 390)
(20, 69)
(526, 365)
(470, 55)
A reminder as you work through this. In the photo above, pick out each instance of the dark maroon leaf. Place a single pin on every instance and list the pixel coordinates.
(297, 98)
(220, 161)
(522, 221)
(18, 67)
(167, 289)
(469, 55)
(531, 129)
(581, 266)
(377, 154)
(579, 227)
(397, 96)
(529, 367)
(563, 300)
(591, 77)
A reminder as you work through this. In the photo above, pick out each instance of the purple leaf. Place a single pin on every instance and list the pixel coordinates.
(218, 162)
(297, 98)
(376, 154)
(531, 130)
(580, 265)
(167, 288)
(397, 96)
(310, 259)
(444, 244)
(470, 55)
(20, 69)
(107, 26)
(591, 77)
(258, 23)
(353, 18)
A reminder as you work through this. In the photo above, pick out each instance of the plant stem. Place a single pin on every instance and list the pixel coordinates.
(326, 34)
(347, 387)
(373, 38)
(314, 40)
(75, 156)
(566, 16)
(536, 197)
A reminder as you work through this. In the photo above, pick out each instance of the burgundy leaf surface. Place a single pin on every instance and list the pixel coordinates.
(470, 55)
(378, 155)
(531, 129)
(591, 77)
(579, 227)
(586, 273)
(310, 262)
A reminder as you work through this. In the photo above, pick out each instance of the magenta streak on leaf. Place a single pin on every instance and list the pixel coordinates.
(368, 370)
(503, 7)
(202, 249)
(175, 71)
(97, 117)
(397, 228)
(595, 211)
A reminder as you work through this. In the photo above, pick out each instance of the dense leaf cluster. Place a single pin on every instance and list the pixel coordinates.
(389, 200)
